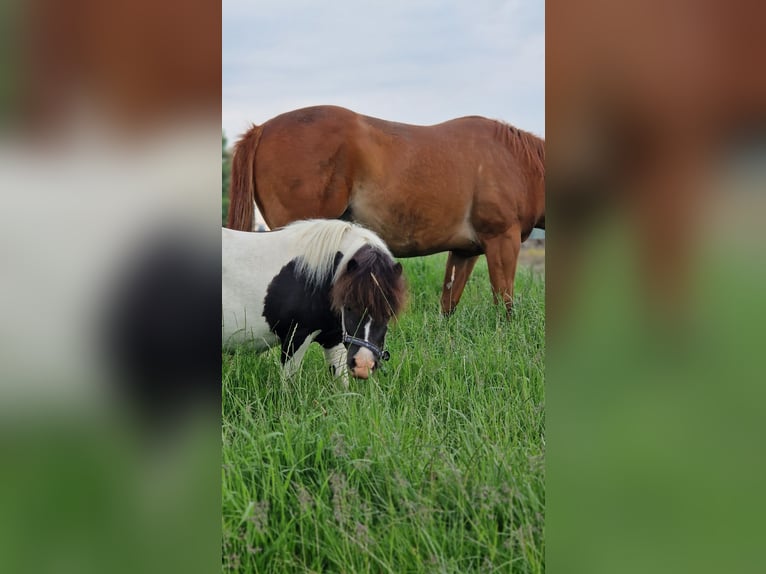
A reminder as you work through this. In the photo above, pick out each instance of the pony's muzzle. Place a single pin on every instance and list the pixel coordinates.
(365, 359)
(362, 363)
(361, 372)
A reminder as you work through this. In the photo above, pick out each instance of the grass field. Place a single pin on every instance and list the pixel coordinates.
(435, 464)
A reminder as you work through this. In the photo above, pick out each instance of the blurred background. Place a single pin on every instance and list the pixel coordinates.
(109, 385)
(110, 258)
(656, 168)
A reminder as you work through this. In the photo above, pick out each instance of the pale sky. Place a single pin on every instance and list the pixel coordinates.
(417, 61)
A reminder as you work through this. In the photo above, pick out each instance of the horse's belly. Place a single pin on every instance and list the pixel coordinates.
(239, 329)
(416, 244)
(411, 232)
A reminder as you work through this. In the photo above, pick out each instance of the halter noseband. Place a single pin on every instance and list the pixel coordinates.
(383, 355)
(380, 354)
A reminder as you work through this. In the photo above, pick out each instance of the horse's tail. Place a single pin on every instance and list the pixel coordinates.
(242, 193)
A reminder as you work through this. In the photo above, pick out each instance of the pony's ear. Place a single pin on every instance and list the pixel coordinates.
(336, 261)
(398, 269)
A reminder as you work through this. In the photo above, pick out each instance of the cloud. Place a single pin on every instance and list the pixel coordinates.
(419, 62)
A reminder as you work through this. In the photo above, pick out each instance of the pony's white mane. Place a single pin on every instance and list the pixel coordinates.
(321, 239)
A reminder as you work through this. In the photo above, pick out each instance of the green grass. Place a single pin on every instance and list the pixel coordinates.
(433, 465)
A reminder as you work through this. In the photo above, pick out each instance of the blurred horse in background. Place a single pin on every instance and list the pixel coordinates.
(645, 100)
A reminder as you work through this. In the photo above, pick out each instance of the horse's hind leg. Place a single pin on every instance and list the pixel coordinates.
(458, 271)
(502, 255)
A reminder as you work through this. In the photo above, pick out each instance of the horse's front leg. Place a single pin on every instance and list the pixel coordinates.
(502, 256)
(458, 271)
(336, 359)
(293, 350)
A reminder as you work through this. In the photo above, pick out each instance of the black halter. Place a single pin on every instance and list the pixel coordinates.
(380, 354)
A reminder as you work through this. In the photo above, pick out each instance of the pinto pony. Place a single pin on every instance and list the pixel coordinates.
(327, 281)
(469, 186)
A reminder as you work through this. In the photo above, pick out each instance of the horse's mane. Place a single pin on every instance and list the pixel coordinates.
(374, 283)
(527, 144)
(321, 239)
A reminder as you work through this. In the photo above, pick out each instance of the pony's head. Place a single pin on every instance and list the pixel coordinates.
(367, 293)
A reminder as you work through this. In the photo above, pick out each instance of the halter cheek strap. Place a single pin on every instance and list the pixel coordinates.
(380, 354)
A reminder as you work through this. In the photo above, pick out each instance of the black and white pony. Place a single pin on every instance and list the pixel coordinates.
(327, 281)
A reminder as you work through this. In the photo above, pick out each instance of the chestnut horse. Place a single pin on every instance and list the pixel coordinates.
(469, 186)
